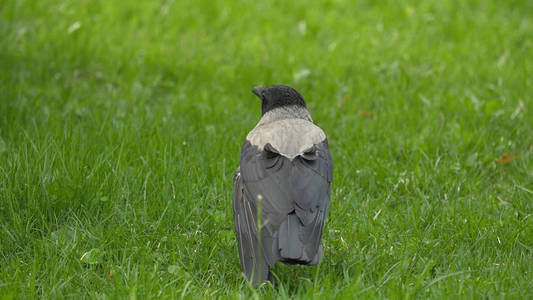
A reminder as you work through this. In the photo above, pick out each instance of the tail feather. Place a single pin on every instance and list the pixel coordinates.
(290, 246)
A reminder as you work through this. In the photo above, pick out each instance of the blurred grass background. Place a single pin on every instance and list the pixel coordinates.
(121, 124)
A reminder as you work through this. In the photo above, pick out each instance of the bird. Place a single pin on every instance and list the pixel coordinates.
(282, 186)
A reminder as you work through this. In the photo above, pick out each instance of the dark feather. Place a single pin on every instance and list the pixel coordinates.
(295, 197)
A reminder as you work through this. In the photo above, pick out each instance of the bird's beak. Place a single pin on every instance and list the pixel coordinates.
(257, 91)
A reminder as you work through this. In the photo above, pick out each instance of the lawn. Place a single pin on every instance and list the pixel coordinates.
(121, 124)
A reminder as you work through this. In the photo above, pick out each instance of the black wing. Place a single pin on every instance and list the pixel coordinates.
(295, 197)
(245, 220)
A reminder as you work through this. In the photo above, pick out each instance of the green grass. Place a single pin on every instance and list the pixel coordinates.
(121, 124)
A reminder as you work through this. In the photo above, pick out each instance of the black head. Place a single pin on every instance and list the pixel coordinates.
(278, 95)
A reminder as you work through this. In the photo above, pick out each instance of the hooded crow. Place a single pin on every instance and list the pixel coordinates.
(282, 186)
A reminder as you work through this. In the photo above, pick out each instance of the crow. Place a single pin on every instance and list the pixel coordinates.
(282, 186)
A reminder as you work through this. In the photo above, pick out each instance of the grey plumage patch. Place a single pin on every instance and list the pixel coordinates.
(290, 137)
